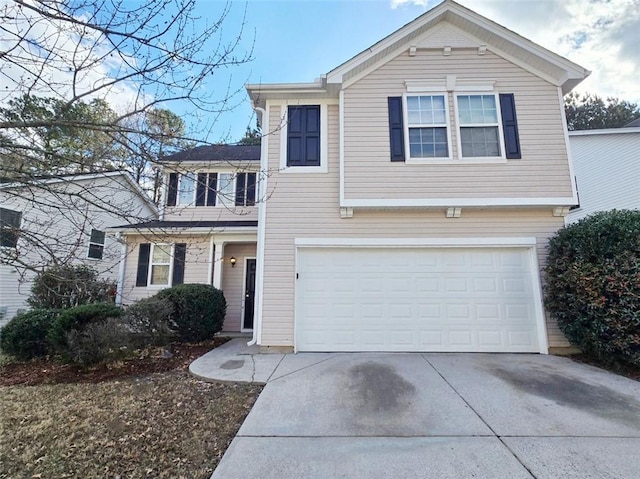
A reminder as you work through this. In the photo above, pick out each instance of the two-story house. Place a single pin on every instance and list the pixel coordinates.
(63, 220)
(411, 191)
(206, 232)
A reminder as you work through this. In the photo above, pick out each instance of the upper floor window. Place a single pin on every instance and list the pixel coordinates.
(486, 127)
(427, 123)
(303, 135)
(212, 189)
(478, 123)
(187, 189)
(96, 244)
(9, 227)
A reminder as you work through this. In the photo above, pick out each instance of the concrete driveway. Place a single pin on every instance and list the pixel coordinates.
(438, 416)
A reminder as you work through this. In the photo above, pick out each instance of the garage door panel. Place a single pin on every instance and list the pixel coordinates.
(415, 299)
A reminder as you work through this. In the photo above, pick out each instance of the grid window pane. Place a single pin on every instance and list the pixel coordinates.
(161, 254)
(477, 109)
(226, 193)
(187, 189)
(428, 143)
(479, 141)
(160, 274)
(426, 110)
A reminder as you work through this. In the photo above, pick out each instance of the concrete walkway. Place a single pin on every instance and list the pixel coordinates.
(428, 416)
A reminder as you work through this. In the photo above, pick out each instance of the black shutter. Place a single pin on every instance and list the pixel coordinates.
(251, 189)
(240, 187)
(212, 184)
(303, 136)
(312, 135)
(396, 128)
(510, 126)
(201, 189)
(178, 263)
(143, 264)
(172, 193)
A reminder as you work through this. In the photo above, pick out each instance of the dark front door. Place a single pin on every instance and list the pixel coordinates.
(249, 293)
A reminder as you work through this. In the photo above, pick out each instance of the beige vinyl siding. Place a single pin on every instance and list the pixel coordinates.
(196, 268)
(543, 170)
(211, 213)
(233, 282)
(307, 205)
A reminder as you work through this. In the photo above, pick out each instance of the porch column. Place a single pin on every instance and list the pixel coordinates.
(217, 263)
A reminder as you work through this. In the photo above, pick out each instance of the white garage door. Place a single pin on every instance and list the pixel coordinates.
(416, 299)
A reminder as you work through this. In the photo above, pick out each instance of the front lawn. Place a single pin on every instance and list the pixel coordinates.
(113, 422)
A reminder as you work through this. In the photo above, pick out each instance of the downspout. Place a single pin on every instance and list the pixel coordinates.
(262, 215)
(123, 255)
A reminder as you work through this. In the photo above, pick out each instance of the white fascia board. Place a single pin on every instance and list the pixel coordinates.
(605, 131)
(246, 232)
(461, 202)
(455, 242)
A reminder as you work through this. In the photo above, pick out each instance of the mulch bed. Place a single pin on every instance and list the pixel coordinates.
(46, 371)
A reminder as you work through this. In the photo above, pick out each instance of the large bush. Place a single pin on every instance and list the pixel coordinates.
(61, 287)
(25, 336)
(77, 319)
(593, 284)
(107, 339)
(149, 321)
(198, 310)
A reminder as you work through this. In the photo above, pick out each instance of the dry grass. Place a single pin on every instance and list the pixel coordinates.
(163, 425)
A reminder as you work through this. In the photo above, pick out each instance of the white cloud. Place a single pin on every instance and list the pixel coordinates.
(601, 35)
(48, 57)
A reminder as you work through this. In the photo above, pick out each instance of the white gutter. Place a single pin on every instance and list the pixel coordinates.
(262, 216)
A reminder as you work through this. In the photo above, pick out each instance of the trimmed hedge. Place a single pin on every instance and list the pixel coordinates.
(593, 284)
(198, 310)
(25, 336)
(76, 319)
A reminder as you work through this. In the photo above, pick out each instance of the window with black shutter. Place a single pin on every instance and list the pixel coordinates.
(303, 135)
(246, 189)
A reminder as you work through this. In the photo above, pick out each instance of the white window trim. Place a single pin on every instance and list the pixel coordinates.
(195, 188)
(171, 258)
(324, 141)
(232, 198)
(405, 120)
(502, 158)
(98, 244)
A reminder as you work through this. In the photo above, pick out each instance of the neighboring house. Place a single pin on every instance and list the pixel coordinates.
(411, 192)
(607, 170)
(63, 220)
(206, 232)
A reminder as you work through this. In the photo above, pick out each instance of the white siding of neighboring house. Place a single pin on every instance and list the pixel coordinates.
(65, 230)
(307, 205)
(607, 168)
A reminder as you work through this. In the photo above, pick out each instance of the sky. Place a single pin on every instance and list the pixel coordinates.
(298, 41)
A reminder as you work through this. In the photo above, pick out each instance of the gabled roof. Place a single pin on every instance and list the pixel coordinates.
(633, 124)
(216, 153)
(473, 27)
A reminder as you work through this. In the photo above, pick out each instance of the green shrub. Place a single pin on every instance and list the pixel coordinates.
(25, 336)
(77, 319)
(61, 287)
(104, 340)
(198, 310)
(593, 284)
(149, 321)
